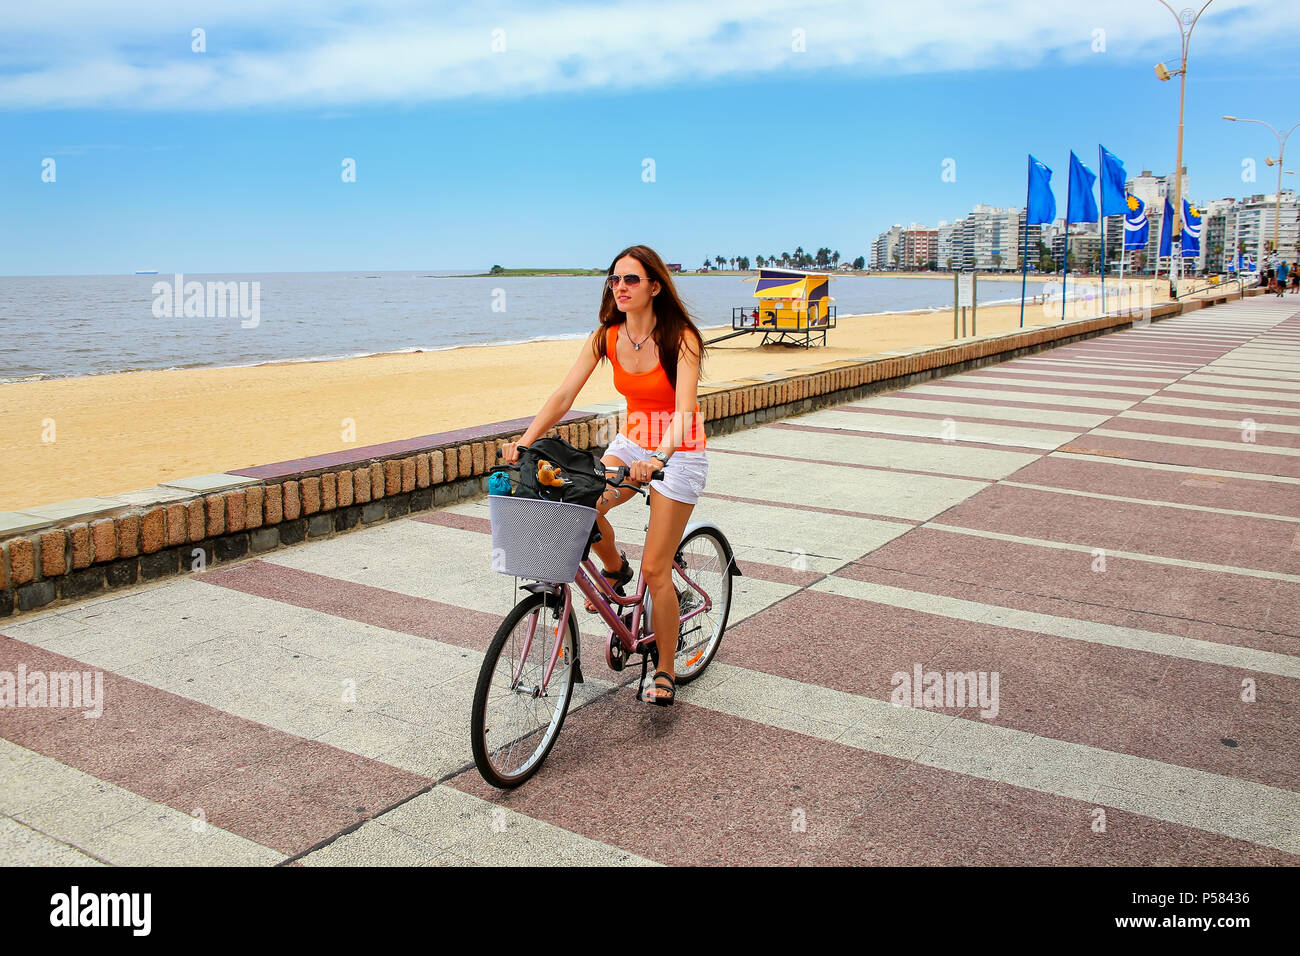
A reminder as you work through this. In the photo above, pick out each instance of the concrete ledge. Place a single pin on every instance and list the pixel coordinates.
(206, 483)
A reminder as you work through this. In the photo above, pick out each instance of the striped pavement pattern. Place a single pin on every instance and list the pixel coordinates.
(1112, 528)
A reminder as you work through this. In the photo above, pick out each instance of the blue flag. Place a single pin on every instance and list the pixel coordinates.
(1191, 230)
(1081, 207)
(1113, 201)
(1042, 204)
(1137, 227)
(1167, 230)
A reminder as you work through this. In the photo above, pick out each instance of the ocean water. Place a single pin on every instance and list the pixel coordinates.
(63, 326)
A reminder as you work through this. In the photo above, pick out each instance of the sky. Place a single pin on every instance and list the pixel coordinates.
(554, 134)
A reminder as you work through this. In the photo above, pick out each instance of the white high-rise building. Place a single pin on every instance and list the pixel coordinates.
(1248, 227)
(886, 251)
(993, 232)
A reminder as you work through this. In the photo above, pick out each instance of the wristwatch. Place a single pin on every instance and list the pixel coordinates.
(661, 456)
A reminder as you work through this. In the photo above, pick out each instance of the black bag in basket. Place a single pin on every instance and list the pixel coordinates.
(583, 472)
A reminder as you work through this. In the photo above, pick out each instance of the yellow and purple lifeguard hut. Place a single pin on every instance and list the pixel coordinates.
(794, 308)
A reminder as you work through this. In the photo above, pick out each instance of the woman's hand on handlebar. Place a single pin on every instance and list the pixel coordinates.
(643, 471)
(510, 452)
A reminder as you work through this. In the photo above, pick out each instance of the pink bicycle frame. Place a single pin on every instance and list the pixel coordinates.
(601, 599)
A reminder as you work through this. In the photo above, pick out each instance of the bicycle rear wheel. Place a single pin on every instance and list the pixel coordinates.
(703, 553)
(513, 723)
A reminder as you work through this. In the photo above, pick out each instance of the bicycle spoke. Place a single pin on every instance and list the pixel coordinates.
(704, 559)
(519, 722)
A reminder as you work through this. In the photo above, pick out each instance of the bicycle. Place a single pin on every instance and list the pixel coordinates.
(526, 681)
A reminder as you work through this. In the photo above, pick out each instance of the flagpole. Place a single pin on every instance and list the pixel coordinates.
(1024, 265)
(1101, 225)
(1156, 277)
(1122, 252)
(1065, 256)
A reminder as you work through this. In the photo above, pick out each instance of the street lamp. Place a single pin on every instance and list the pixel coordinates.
(1281, 157)
(1186, 23)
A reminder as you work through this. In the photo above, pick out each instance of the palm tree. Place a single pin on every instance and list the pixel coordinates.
(720, 261)
(835, 258)
(760, 261)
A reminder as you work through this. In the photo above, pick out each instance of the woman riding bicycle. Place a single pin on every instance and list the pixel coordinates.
(656, 351)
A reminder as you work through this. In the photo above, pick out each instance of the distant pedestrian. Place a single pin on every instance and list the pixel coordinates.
(1295, 279)
(1281, 278)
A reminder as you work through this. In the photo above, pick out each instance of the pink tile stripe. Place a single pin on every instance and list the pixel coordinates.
(282, 791)
(1045, 390)
(744, 803)
(752, 569)
(1189, 411)
(1153, 484)
(1261, 436)
(1255, 385)
(1197, 456)
(1231, 540)
(1075, 377)
(1116, 699)
(935, 417)
(895, 437)
(390, 610)
(839, 464)
(1235, 396)
(1002, 403)
(1189, 602)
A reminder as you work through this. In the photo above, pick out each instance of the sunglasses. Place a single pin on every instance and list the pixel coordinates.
(631, 279)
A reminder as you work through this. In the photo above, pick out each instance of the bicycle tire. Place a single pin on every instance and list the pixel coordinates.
(503, 770)
(691, 665)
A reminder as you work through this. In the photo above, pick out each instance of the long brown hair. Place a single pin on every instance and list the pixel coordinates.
(672, 322)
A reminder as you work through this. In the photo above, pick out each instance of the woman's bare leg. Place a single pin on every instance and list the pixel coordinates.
(606, 549)
(668, 520)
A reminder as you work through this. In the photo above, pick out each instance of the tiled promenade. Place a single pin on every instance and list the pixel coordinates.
(1112, 528)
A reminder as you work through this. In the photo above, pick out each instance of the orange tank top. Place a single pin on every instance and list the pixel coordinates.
(651, 402)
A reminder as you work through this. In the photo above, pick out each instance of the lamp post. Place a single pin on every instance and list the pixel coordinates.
(1281, 157)
(1186, 23)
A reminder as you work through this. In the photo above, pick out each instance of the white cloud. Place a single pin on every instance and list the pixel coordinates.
(295, 53)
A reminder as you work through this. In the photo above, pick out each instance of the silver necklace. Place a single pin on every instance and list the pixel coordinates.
(636, 346)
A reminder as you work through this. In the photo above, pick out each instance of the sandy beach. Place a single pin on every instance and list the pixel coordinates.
(116, 433)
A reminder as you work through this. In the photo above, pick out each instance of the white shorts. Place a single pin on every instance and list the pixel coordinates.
(684, 475)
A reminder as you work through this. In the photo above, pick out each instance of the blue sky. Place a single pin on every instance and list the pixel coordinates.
(229, 160)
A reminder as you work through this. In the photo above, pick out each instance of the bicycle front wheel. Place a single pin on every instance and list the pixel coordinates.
(515, 721)
(703, 554)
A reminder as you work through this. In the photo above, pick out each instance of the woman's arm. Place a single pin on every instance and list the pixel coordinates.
(688, 379)
(562, 399)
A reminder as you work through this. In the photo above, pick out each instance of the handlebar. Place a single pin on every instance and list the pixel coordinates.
(621, 474)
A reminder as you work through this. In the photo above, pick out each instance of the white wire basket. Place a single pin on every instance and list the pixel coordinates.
(538, 539)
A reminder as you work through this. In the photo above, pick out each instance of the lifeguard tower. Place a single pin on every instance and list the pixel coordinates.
(794, 308)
